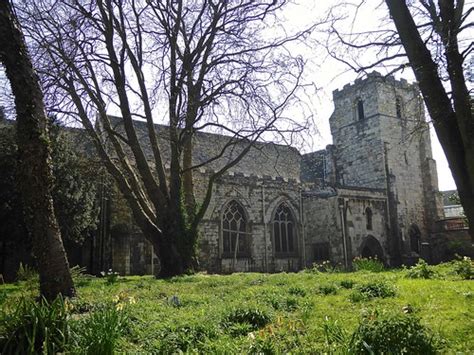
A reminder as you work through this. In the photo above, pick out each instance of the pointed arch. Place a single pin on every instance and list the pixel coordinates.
(371, 248)
(235, 230)
(284, 227)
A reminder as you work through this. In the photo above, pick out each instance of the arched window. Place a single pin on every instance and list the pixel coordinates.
(235, 239)
(399, 107)
(368, 218)
(284, 231)
(360, 109)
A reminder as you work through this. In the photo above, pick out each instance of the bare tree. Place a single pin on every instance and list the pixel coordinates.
(35, 173)
(207, 65)
(432, 38)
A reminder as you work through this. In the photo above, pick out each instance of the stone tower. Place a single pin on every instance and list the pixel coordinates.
(382, 142)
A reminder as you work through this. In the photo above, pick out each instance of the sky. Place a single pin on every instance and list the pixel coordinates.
(329, 74)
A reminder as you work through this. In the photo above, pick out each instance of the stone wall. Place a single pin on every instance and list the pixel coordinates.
(359, 149)
(259, 198)
(389, 149)
(262, 159)
(339, 220)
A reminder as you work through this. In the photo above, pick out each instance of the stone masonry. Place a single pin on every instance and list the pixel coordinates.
(374, 192)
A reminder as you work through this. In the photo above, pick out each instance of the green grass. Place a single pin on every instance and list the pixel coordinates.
(249, 312)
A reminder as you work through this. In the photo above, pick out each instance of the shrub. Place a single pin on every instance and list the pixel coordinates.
(110, 276)
(291, 304)
(329, 289)
(392, 334)
(420, 271)
(183, 338)
(297, 291)
(98, 333)
(26, 273)
(36, 327)
(254, 317)
(326, 266)
(372, 290)
(336, 337)
(79, 277)
(464, 267)
(347, 284)
(368, 264)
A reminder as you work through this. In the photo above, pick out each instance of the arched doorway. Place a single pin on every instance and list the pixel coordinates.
(415, 238)
(371, 248)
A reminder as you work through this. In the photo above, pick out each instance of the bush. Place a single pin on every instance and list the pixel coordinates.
(297, 291)
(326, 266)
(79, 277)
(421, 271)
(26, 273)
(183, 338)
(36, 327)
(368, 264)
(464, 267)
(328, 289)
(372, 290)
(347, 284)
(110, 276)
(392, 334)
(98, 333)
(336, 337)
(253, 317)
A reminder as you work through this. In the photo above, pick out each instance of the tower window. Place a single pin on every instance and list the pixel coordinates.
(360, 109)
(368, 218)
(234, 230)
(399, 107)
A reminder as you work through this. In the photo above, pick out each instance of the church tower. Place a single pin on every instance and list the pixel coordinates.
(382, 142)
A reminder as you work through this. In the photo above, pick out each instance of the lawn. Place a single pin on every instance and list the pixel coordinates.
(306, 312)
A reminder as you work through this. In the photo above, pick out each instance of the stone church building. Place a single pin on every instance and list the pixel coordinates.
(374, 192)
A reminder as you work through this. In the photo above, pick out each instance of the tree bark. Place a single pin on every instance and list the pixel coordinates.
(454, 126)
(35, 173)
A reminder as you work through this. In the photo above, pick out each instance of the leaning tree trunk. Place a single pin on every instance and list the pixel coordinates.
(35, 173)
(454, 126)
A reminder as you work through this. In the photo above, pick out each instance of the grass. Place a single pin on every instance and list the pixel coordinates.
(249, 313)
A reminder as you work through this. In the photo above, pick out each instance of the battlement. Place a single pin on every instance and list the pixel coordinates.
(374, 76)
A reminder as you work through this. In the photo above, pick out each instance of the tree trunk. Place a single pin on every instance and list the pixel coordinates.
(174, 250)
(35, 173)
(454, 126)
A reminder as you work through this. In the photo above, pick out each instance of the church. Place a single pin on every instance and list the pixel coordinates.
(372, 193)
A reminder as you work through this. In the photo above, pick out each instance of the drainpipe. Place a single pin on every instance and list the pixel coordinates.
(343, 224)
(264, 230)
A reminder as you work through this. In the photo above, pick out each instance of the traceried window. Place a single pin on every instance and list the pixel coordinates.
(284, 231)
(235, 238)
(368, 218)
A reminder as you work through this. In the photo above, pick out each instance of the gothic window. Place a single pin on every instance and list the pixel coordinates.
(399, 107)
(284, 231)
(235, 239)
(368, 218)
(360, 109)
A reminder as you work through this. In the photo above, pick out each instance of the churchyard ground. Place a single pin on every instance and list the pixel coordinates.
(320, 310)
